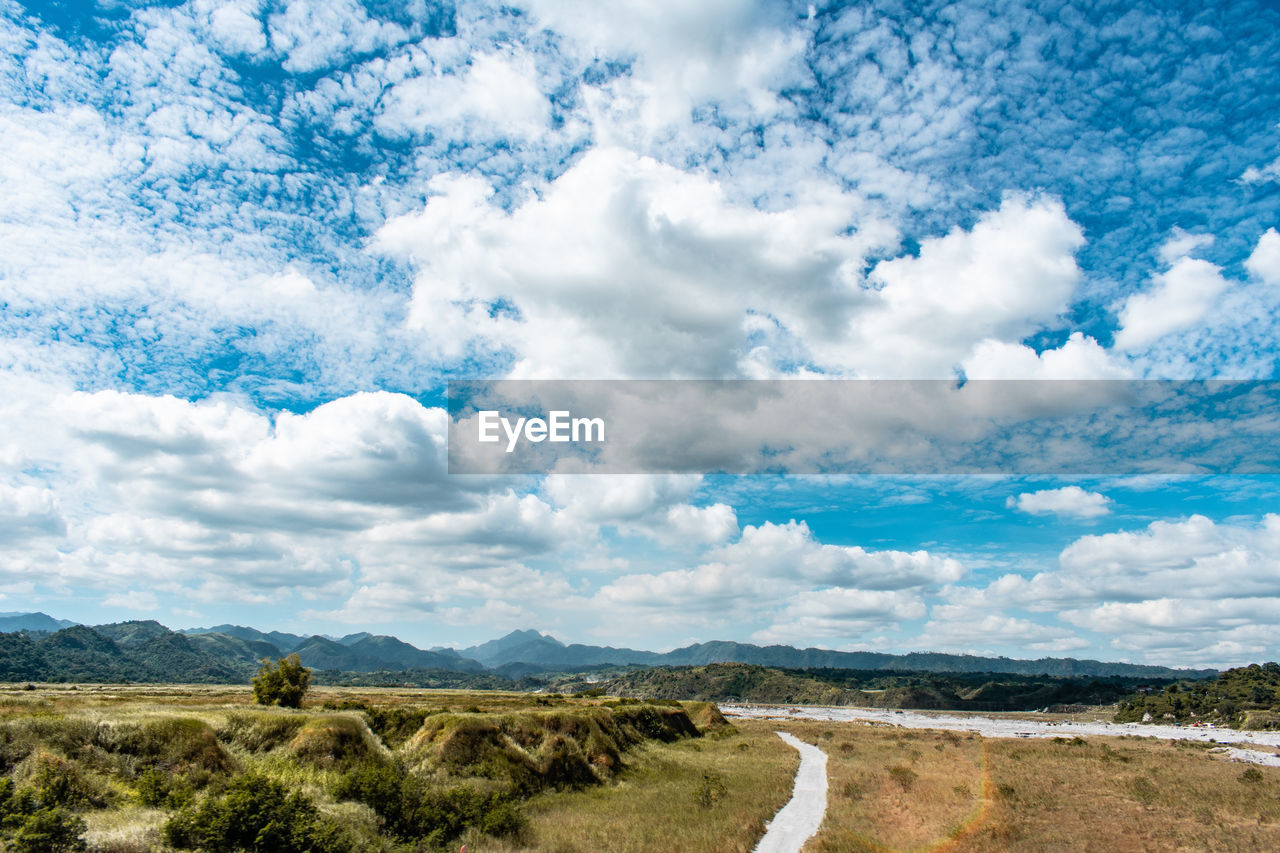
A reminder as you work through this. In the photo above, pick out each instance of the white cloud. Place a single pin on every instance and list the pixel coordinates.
(496, 95)
(235, 26)
(1179, 298)
(135, 600)
(1177, 592)
(27, 511)
(654, 506)
(219, 502)
(732, 53)
(846, 614)
(316, 33)
(1163, 545)
(1014, 272)
(1066, 502)
(1264, 263)
(790, 551)
(1079, 357)
(1266, 174)
(626, 267)
(967, 629)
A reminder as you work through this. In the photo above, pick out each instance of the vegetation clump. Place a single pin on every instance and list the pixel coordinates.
(256, 813)
(413, 810)
(283, 684)
(38, 824)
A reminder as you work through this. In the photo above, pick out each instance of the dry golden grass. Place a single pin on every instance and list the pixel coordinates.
(894, 789)
(656, 804)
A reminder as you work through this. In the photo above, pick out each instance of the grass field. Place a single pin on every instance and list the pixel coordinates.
(411, 770)
(712, 795)
(902, 789)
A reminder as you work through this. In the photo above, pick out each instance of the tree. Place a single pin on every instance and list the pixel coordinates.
(283, 684)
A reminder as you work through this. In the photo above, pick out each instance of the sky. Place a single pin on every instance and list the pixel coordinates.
(244, 245)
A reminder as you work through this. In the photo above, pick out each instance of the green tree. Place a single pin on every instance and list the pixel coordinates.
(283, 683)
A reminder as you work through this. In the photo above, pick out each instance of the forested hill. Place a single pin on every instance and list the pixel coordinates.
(45, 649)
(146, 651)
(731, 682)
(1246, 697)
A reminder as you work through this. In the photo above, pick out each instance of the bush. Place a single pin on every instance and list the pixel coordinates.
(158, 789)
(256, 814)
(50, 831)
(283, 684)
(711, 791)
(904, 776)
(412, 811)
(15, 805)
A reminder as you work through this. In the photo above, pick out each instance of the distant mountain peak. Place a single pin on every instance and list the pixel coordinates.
(32, 621)
(528, 635)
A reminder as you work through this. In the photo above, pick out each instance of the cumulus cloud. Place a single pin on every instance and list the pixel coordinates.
(1178, 299)
(678, 279)
(228, 503)
(781, 578)
(1264, 262)
(1189, 591)
(1065, 502)
(817, 615)
(966, 629)
(654, 506)
(1079, 357)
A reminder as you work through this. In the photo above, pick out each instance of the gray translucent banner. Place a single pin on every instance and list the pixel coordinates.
(1063, 427)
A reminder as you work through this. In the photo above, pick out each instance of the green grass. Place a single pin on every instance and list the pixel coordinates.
(147, 768)
(660, 802)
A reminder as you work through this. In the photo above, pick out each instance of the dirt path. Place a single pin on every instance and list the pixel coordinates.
(800, 818)
(1254, 747)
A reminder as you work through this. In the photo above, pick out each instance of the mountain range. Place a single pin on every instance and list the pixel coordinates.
(37, 647)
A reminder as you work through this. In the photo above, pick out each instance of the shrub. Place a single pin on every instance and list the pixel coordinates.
(165, 790)
(60, 782)
(52, 830)
(283, 684)
(396, 725)
(15, 805)
(174, 744)
(904, 776)
(412, 811)
(256, 814)
(711, 791)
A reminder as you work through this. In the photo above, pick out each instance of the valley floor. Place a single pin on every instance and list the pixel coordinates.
(141, 755)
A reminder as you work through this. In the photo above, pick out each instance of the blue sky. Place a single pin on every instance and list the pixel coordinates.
(243, 245)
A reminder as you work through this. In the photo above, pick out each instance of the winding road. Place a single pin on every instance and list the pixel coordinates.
(800, 818)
